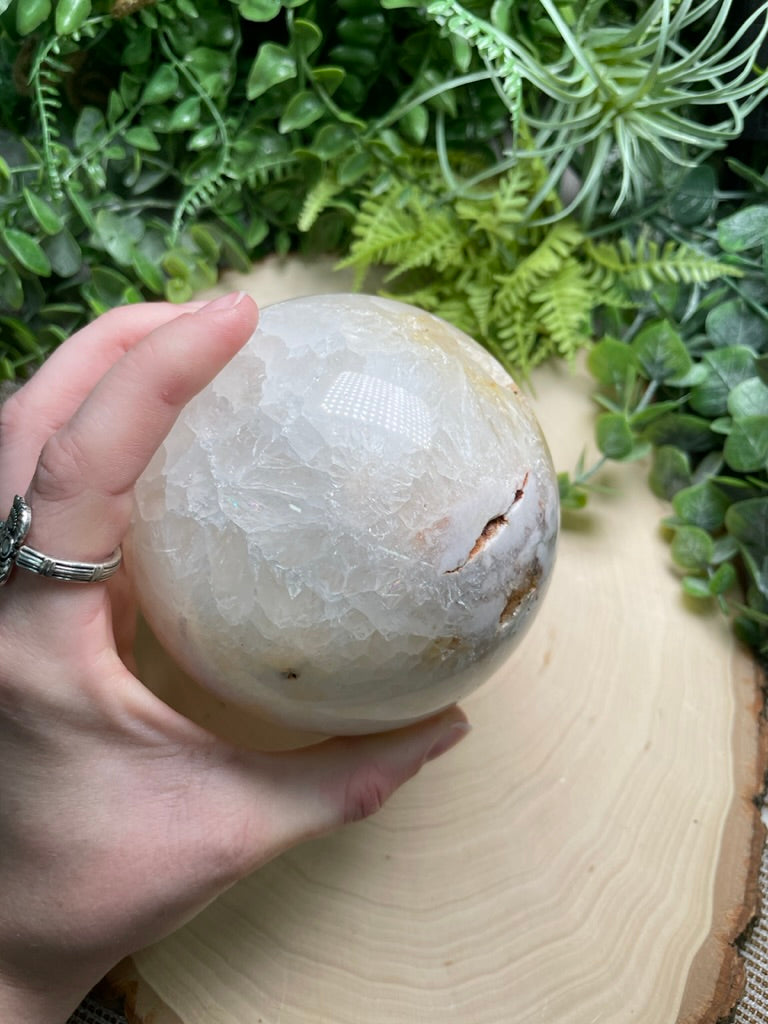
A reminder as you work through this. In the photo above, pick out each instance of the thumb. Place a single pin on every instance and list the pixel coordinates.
(290, 797)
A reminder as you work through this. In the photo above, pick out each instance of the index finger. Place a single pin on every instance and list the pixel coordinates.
(49, 398)
(81, 493)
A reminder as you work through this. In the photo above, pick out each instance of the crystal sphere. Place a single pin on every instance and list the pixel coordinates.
(350, 527)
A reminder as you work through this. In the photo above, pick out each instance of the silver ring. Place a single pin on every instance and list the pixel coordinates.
(13, 551)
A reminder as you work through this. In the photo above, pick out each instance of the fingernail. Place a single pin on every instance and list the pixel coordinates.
(228, 301)
(453, 735)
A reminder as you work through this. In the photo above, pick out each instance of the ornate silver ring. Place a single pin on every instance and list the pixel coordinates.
(13, 551)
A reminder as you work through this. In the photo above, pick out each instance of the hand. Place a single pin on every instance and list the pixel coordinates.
(120, 819)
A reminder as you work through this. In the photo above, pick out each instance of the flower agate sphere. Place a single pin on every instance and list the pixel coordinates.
(350, 526)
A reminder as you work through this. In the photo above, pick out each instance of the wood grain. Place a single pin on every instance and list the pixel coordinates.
(588, 854)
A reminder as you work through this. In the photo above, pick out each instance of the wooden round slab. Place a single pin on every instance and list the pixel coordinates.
(589, 853)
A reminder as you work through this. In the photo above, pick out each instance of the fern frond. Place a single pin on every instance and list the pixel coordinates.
(492, 45)
(646, 263)
(546, 259)
(200, 196)
(317, 201)
(564, 304)
(46, 79)
(436, 241)
(516, 341)
(382, 231)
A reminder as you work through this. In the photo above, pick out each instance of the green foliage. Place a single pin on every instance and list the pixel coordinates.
(528, 290)
(147, 145)
(684, 374)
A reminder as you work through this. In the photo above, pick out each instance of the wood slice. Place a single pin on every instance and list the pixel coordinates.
(589, 853)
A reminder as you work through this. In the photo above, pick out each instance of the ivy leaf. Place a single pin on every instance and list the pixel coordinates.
(27, 251)
(746, 447)
(273, 64)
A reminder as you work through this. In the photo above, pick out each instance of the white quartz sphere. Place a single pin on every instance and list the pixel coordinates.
(351, 526)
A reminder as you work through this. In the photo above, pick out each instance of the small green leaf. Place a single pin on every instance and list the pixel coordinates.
(661, 352)
(723, 579)
(148, 272)
(30, 14)
(749, 398)
(415, 124)
(307, 35)
(333, 139)
(691, 433)
(670, 472)
(355, 167)
(45, 215)
(572, 496)
(259, 10)
(732, 323)
(726, 367)
(11, 289)
(178, 290)
(696, 586)
(27, 251)
(614, 435)
(745, 229)
(186, 115)
(609, 362)
(64, 253)
(161, 86)
(329, 77)
(746, 447)
(90, 127)
(747, 521)
(695, 200)
(142, 138)
(692, 548)
(702, 505)
(70, 15)
(273, 64)
(303, 109)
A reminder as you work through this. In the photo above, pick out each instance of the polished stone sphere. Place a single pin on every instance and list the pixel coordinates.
(350, 527)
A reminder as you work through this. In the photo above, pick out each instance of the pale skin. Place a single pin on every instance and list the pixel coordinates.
(119, 818)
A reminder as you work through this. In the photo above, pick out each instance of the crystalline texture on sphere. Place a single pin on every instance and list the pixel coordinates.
(348, 529)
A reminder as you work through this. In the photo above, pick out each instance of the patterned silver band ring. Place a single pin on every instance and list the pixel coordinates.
(13, 551)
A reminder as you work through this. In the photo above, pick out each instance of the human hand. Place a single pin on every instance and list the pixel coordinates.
(119, 818)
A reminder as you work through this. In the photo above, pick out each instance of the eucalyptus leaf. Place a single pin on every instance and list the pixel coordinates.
(749, 398)
(746, 447)
(614, 435)
(703, 504)
(670, 471)
(660, 351)
(726, 367)
(744, 229)
(692, 548)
